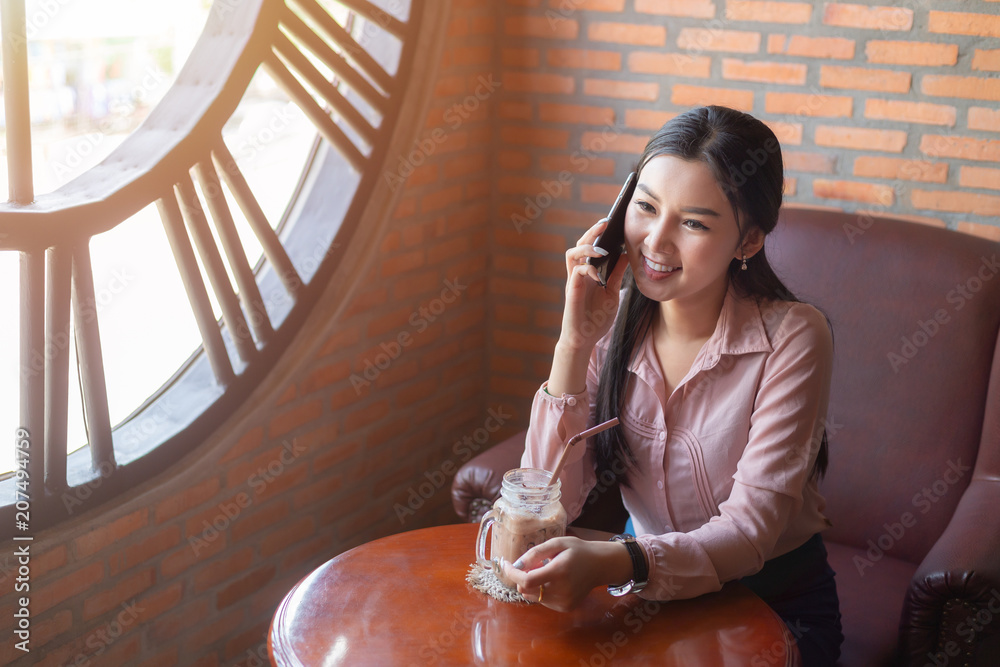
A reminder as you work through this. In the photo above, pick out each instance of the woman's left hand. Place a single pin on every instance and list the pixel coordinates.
(560, 572)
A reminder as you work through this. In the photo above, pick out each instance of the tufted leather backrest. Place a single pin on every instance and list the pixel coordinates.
(915, 313)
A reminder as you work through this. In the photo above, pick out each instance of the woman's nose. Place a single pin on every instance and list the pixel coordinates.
(660, 238)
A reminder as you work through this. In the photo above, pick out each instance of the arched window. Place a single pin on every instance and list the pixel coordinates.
(146, 296)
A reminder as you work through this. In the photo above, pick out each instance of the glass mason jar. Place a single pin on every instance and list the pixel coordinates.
(527, 513)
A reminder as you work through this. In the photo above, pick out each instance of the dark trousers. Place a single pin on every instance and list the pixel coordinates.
(799, 586)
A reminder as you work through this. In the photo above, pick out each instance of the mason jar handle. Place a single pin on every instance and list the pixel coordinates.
(484, 528)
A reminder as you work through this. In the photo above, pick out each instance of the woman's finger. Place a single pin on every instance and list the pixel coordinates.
(528, 580)
(588, 270)
(591, 234)
(580, 253)
(533, 559)
(530, 569)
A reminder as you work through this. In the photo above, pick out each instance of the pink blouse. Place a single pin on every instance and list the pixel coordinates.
(723, 479)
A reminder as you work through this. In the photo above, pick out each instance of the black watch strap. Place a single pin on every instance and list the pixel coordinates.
(640, 569)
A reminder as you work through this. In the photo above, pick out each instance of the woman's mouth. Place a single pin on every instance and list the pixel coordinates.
(655, 270)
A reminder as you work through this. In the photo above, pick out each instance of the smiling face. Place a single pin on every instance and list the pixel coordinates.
(680, 232)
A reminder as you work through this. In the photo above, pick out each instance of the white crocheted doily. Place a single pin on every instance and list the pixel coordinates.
(485, 581)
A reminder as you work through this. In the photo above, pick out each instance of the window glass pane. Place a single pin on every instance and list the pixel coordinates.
(147, 326)
(384, 47)
(270, 138)
(398, 8)
(334, 9)
(76, 428)
(96, 69)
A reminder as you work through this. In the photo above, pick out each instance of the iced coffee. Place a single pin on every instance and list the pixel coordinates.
(527, 513)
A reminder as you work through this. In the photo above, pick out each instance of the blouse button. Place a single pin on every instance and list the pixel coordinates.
(662, 437)
(659, 484)
(571, 401)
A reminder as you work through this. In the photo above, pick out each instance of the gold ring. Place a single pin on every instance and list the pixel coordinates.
(541, 587)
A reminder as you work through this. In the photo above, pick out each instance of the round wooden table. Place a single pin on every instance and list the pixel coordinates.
(403, 601)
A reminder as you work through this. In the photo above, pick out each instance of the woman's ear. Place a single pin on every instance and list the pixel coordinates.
(752, 243)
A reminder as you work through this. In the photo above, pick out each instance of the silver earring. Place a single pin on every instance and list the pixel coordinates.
(744, 267)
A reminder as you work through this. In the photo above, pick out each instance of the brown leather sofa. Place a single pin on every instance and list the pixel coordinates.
(913, 486)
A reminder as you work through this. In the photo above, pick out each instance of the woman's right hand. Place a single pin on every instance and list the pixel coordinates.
(590, 307)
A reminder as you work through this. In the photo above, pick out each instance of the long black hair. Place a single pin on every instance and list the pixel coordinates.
(745, 158)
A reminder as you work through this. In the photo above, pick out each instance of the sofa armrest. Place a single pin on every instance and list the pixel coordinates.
(476, 485)
(958, 580)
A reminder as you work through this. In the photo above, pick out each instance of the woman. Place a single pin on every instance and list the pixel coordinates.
(720, 379)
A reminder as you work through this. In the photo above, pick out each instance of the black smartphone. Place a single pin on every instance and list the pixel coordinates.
(613, 238)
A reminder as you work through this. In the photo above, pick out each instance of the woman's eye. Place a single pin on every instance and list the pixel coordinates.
(645, 206)
(694, 224)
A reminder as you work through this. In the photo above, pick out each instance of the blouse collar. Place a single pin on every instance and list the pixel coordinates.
(739, 330)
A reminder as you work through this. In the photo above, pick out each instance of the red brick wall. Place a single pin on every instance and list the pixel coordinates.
(889, 109)
(892, 109)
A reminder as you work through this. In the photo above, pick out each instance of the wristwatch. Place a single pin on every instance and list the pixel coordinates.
(640, 570)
